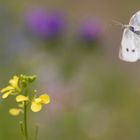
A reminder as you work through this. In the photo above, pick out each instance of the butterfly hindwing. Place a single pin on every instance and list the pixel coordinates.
(129, 51)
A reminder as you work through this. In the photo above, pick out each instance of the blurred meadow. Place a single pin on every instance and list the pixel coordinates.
(72, 47)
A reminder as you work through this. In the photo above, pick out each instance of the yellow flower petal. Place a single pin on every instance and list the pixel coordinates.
(14, 82)
(21, 98)
(35, 107)
(7, 89)
(5, 95)
(37, 100)
(45, 99)
(14, 111)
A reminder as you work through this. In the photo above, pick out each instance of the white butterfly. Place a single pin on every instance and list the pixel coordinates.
(130, 44)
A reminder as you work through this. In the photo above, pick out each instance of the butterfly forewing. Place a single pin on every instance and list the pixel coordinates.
(135, 21)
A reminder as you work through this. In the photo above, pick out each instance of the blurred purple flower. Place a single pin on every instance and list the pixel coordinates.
(46, 25)
(91, 30)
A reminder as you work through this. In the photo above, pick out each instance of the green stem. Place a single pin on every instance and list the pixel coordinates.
(25, 122)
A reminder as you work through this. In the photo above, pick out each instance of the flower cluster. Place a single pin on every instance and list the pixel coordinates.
(45, 24)
(90, 30)
(18, 86)
(53, 24)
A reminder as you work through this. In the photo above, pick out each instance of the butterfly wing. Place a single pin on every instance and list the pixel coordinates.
(136, 38)
(129, 51)
(135, 21)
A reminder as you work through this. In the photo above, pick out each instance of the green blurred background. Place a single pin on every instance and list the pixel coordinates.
(94, 95)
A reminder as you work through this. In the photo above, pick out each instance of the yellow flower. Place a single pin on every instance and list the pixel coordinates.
(14, 111)
(12, 88)
(21, 98)
(14, 82)
(37, 102)
(7, 92)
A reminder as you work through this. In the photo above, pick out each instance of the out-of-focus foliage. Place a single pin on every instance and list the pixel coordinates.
(72, 47)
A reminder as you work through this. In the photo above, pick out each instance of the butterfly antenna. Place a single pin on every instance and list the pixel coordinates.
(119, 24)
